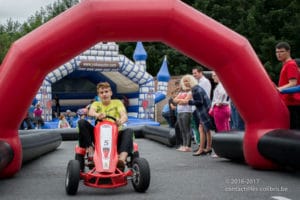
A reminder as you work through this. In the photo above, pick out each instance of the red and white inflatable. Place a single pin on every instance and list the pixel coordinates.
(171, 22)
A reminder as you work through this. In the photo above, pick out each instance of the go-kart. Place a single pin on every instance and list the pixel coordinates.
(105, 172)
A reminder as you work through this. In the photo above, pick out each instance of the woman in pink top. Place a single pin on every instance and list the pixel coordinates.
(38, 120)
(220, 109)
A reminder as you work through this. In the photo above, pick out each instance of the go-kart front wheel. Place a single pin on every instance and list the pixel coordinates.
(141, 174)
(72, 177)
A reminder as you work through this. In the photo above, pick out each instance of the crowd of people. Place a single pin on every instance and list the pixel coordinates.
(68, 119)
(33, 118)
(198, 110)
(204, 108)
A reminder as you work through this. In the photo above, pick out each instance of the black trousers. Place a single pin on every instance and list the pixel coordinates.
(86, 137)
(178, 135)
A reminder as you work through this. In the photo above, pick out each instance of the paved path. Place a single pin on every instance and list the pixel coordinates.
(174, 175)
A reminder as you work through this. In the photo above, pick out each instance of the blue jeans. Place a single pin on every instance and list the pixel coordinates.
(237, 122)
(167, 117)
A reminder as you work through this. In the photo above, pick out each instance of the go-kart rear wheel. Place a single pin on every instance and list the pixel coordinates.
(141, 174)
(72, 177)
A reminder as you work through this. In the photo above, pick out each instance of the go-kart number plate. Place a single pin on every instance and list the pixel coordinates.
(106, 143)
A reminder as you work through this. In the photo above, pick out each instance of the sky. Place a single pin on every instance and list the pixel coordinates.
(20, 10)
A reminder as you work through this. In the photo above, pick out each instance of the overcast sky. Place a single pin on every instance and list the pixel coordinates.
(20, 10)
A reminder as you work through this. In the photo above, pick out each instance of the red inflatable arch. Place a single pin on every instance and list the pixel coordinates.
(172, 22)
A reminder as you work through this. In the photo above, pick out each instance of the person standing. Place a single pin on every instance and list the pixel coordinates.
(202, 103)
(202, 80)
(38, 119)
(184, 115)
(57, 105)
(173, 115)
(206, 85)
(237, 123)
(172, 105)
(289, 77)
(166, 115)
(220, 109)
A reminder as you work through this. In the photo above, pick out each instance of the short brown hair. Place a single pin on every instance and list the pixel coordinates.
(198, 68)
(103, 85)
(283, 45)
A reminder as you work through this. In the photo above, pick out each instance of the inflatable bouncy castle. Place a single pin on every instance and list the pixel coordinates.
(75, 81)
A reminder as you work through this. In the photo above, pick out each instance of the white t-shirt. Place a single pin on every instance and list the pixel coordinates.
(184, 108)
(205, 84)
(220, 96)
(63, 124)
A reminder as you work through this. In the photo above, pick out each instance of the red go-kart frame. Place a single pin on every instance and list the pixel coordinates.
(105, 173)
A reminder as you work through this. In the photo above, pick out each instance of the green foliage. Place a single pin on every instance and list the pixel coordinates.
(13, 30)
(8, 34)
(264, 23)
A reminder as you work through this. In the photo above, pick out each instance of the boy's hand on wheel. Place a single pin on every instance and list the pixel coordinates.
(101, 116)
(119, 122)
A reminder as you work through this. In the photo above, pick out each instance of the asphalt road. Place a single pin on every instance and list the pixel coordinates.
(174, 175)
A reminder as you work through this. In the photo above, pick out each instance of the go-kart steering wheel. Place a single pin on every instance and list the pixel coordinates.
(107, 117)
(110, 117)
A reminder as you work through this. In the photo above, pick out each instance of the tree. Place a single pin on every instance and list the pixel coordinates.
(8, 34)
(264, 23)
(13, 30)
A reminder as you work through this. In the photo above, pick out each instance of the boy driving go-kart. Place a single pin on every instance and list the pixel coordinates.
(99, 144)
(99, 110)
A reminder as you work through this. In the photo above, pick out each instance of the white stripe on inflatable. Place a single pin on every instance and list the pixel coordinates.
(101, 53)
(74, 102)
(132, 114)
(133, 101)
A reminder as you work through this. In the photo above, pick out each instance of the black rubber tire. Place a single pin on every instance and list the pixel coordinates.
(141, 175)
(72, 177)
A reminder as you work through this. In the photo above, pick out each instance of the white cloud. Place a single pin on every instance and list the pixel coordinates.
(21, 10)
